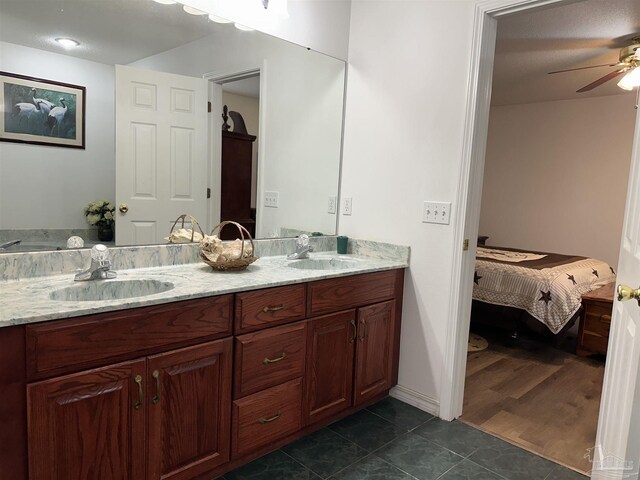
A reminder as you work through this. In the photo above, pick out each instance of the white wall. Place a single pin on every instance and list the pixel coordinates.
(249, 108)
(405, 113)
(301, 107)
(322, 25)
(556, 175)
(47, 187)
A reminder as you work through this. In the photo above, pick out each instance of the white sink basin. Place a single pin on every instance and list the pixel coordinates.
(97, 290)
(323, 263)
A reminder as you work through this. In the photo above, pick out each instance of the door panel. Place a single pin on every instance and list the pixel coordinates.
(329, 371)
(189, 405)
(86, 425)
(374, 351)
(618, 438)
(161, 152)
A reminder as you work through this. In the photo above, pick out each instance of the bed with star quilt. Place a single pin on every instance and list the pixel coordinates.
(548, 286)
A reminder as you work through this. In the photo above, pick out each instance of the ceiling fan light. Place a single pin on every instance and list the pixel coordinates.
(630, 80)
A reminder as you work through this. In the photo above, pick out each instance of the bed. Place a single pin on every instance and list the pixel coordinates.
(547, 286)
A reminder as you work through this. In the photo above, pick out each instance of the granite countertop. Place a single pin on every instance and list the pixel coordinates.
(27, 300)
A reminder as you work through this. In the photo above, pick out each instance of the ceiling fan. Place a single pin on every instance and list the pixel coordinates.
(628, 64)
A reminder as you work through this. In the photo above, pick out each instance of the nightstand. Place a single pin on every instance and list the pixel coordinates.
(595, 321)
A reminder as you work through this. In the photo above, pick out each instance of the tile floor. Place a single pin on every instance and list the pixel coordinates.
(395, 441)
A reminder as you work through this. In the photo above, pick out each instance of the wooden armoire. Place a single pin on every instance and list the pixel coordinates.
(237, 153)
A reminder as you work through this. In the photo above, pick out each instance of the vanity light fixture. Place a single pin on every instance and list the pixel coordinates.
(217, 19)
(631, 79)
(244, 28)
(193, 11)
(67, 42)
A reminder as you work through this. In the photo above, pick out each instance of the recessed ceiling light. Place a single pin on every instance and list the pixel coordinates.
(217, 19)
(165, 2)
(193, 11)
(67, 42)
(243, 27)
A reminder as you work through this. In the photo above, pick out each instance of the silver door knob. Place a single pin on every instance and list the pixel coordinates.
(123, 207)
(627, 293)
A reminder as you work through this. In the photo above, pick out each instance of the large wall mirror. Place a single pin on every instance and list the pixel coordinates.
(151, 73)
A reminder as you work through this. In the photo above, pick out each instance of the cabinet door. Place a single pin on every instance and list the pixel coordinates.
(89, 425)
(374, 352)
(329, 371)
(189, 406)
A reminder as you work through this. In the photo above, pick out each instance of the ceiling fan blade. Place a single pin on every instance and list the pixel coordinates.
(600, 81)
(585, 68)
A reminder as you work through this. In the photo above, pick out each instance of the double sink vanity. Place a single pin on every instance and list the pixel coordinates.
(178, 372)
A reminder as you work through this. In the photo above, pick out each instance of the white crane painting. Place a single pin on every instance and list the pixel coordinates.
(41, 111)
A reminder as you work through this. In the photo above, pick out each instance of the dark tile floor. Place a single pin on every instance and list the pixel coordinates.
(395, 441)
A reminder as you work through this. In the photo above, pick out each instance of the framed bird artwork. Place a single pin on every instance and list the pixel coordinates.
(41, 112)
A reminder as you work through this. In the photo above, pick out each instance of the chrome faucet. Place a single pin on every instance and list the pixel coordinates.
(302, 248)
(100, 268)
(4, 246)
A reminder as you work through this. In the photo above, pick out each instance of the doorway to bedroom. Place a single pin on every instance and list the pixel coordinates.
(555, 181)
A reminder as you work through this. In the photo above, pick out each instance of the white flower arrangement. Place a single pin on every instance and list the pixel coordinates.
(100, 213)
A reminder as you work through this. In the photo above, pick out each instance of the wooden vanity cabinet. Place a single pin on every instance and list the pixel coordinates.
(168, 393)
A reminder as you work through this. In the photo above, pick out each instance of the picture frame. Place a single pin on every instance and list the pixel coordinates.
(42, 112)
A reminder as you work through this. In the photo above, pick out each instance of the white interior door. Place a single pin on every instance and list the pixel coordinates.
(161, 153)
(617, 452)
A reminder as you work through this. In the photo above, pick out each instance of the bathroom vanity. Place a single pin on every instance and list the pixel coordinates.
(191, 389)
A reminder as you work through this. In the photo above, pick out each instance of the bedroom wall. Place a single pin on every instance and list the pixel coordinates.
(556, 175)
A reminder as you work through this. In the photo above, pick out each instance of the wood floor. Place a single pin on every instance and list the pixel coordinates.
(537, 397)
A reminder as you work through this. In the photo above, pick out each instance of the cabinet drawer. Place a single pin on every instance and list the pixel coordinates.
(69, 345)
(269, 357)
(266, 416)
(595, 330)
(266, 308)
(336, 294)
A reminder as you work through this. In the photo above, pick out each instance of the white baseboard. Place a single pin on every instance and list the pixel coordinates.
(416, 399)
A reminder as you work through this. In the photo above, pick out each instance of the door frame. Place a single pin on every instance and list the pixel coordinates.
(469, 197)
(215, 138)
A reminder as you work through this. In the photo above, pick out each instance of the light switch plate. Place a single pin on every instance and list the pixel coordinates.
(271, 199)
(347, 206)
(436, 212)
(331, 206)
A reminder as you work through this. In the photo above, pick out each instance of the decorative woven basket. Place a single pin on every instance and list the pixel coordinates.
(178, 236)
(246, 258)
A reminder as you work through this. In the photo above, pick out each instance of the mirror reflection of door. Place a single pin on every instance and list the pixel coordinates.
(240, 126)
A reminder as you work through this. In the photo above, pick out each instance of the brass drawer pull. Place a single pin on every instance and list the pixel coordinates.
(364, 330)
(263, 420)
(273, 309)
(138, 380)
(156, 398)
(355, 332)
(268, 361)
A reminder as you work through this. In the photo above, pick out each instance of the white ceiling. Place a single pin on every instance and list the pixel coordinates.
(588, 32)
(249, 87)
(110, 31)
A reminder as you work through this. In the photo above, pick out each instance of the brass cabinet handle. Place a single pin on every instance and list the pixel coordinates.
(364, 330)
(268, 361)
(138, 380)
(263, 420)
(273, 309)
(355, 331)
(156, 398)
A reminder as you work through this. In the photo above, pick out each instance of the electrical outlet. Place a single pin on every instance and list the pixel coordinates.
(331, 206)
(347, 206)
(271, 199)
(436, 212)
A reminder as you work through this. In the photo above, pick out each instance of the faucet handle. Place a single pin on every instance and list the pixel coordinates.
(302, 240)
(100, 253)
